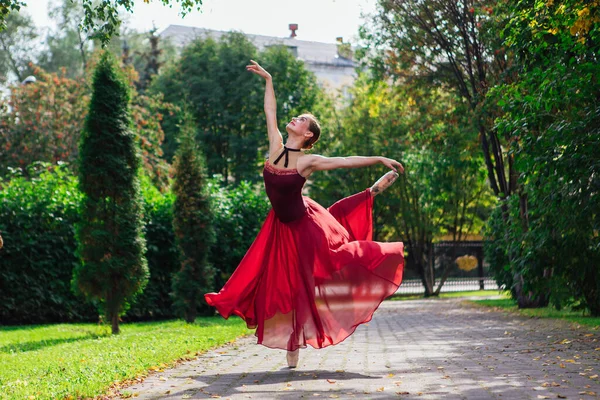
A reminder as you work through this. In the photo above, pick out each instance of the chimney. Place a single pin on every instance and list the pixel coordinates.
(293, 28)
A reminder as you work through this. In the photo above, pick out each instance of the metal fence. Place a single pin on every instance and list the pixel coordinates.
(445, 255)
(415, 286)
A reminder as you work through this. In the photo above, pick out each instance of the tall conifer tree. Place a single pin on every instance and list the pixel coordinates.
(192, 222)
(111, 245)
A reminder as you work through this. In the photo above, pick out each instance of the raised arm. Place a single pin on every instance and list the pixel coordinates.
(275, 138)
(315, 162)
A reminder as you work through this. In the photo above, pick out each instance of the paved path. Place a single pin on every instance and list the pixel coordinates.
(425, 349)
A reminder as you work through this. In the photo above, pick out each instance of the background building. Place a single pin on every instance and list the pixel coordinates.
(334, 71)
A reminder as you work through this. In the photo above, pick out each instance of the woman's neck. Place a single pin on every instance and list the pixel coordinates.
(293, 144)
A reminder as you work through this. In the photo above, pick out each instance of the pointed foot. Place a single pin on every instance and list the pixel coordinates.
(292, 358)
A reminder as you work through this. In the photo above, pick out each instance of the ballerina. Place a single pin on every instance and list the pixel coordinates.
(312, 275)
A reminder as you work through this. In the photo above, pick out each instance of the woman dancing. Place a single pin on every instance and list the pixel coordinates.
(312, 274)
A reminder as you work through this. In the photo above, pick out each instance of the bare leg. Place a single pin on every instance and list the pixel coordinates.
(292, 358)
(383, 183)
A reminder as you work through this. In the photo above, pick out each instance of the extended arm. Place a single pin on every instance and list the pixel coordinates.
(320, 163)
(275, 138)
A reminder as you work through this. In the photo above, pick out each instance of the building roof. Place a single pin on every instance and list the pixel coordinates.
(310, 52)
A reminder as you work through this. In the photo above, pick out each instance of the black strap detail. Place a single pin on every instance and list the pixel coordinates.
(285, 152)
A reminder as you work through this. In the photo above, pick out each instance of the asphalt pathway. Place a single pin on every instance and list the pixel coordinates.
(421, 349)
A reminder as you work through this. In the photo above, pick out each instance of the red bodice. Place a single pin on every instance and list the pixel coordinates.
(284, 189)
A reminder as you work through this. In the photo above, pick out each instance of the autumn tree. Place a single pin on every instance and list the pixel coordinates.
(113, 267)
(42, 121)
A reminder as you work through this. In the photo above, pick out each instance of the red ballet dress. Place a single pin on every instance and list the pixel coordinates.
(312, 274)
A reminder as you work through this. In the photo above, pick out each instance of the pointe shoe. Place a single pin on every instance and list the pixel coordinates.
(383, 183)
(292, 358)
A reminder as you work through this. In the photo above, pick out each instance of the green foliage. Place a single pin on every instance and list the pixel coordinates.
(227, 102)
(37, 220)
(17, 41)
(84, 360)
(443, 190)
(42, 121)
(192, 223)
(102, 17)
(156, 302)
(551, 112)
(239, 213)
(111, 244)
(67, 47)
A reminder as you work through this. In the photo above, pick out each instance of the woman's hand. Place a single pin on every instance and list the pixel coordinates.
(258, 70)
(392, 164)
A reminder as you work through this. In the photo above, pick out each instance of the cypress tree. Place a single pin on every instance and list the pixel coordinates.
(192, 223)
(110, 241)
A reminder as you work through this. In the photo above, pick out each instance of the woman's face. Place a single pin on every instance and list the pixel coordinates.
(299, 125)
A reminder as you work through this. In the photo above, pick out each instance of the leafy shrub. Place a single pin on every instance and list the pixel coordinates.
(37, 221)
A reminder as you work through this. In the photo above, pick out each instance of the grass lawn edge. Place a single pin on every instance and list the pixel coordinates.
(510, 306)
(115, 390)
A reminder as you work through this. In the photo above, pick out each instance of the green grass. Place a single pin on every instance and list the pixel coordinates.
(546, 312)
(471, 293)
(85, 360)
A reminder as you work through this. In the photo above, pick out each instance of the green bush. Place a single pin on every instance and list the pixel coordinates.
(37, 221)
(155, 301)
(239, 214)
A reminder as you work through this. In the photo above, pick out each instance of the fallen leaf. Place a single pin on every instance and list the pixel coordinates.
(330, 380)
(381, 389)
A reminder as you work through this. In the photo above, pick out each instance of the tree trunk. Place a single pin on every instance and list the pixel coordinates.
(114, 321)
(191, 313)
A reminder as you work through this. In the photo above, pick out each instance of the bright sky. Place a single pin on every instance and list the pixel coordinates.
(318, 20)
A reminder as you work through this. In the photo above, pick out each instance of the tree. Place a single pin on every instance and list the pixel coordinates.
(101, 18)
(455, 44)
(111, 245)
(6, 7)
(550, 247)
(66, 46)
(42, 121)
(192, 223)
(227, 103)
(17, 42)
(443, 189)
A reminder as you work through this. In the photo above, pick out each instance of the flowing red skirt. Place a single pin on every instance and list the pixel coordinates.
(314, 280)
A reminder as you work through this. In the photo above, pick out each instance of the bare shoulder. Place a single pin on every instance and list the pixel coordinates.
(305, 164)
